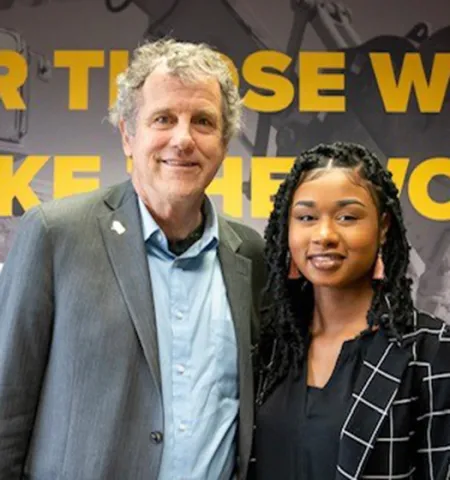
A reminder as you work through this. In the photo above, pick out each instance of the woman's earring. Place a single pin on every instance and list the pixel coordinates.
(293, 271)
(378, 271)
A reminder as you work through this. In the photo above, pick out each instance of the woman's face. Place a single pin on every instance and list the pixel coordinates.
(334, 229)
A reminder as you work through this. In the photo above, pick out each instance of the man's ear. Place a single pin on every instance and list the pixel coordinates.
(385, 224)
(126, 138)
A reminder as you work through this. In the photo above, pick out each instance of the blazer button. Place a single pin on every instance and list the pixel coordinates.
(156, 437)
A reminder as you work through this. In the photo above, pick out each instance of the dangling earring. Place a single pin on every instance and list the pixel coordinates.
(293, 271)
(378, 271)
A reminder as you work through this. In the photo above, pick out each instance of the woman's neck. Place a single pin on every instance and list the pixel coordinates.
(341, 312)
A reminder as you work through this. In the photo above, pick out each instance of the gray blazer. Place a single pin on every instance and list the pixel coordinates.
(80, 383)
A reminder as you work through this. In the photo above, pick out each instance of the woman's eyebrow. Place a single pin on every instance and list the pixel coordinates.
(305, 203)
(341, 203)
(349, 201)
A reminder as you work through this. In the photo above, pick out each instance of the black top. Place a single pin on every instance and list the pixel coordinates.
(298, 427)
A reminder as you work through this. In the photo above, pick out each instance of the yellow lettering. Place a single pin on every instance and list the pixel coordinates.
(65, 183)
(16, 184)
(254, 73)
(263, 185)
(11, 82)
(313, 80)
(396, 95)
(78, 62)
(418, 188)
(229, 186)
(232, 67)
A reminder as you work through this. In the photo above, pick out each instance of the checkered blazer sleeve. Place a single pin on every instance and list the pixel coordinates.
(433, 421)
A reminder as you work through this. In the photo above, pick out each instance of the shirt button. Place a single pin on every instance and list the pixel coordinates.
(180, 369)
(182, 427)
(156, 437)
(179, 315)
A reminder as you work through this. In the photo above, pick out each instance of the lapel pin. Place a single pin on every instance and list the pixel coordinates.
(118, 227)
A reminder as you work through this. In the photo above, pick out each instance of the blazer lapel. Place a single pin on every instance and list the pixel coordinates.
(376, 387)
(237, 274)
(122, 233)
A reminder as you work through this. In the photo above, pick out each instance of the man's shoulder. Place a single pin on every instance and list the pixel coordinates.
(79, 207)
(246, 233)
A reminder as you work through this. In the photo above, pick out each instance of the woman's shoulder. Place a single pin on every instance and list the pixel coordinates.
(424, 322)
(429, 335)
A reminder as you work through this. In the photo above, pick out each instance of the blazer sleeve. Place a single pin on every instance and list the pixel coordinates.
(433, 452)
(26, 315)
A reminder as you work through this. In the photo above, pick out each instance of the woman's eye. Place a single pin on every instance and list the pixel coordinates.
(305, 218)
(347, 218)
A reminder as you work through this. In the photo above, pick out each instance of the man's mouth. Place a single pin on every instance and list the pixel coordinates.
(179, 163)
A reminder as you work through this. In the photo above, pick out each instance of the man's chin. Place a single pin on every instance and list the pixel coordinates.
(184, 194)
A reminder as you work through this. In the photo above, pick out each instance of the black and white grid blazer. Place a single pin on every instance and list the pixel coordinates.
(397, 426)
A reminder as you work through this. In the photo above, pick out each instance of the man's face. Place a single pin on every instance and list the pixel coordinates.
(177, 146)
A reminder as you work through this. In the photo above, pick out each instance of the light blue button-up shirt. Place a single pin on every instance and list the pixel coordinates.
(197, 353)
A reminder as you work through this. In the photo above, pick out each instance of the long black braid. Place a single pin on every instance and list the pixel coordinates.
(286, 319)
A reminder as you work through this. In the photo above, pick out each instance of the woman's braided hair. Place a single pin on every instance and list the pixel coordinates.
(286, 319)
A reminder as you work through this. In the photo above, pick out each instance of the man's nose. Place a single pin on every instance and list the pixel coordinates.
(182, 138)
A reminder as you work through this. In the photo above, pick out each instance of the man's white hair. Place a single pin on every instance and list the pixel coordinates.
(190, 63)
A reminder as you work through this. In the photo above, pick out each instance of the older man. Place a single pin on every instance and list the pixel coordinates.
(128, 314)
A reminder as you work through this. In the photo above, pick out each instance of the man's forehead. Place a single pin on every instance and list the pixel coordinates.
(162, 76)
(164, 90)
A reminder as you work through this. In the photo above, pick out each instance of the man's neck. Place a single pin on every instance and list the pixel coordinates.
(178, 247)
(176, 224)
(178, 220)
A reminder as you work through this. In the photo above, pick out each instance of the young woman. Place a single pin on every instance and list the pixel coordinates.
(354, 382)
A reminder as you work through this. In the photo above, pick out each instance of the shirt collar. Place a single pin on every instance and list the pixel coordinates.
(153, 234)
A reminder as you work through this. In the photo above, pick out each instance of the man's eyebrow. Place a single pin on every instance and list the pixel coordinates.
(209, 112)
(169, 111)
(158, 111)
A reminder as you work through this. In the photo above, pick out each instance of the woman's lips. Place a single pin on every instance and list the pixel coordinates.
(326, 262)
